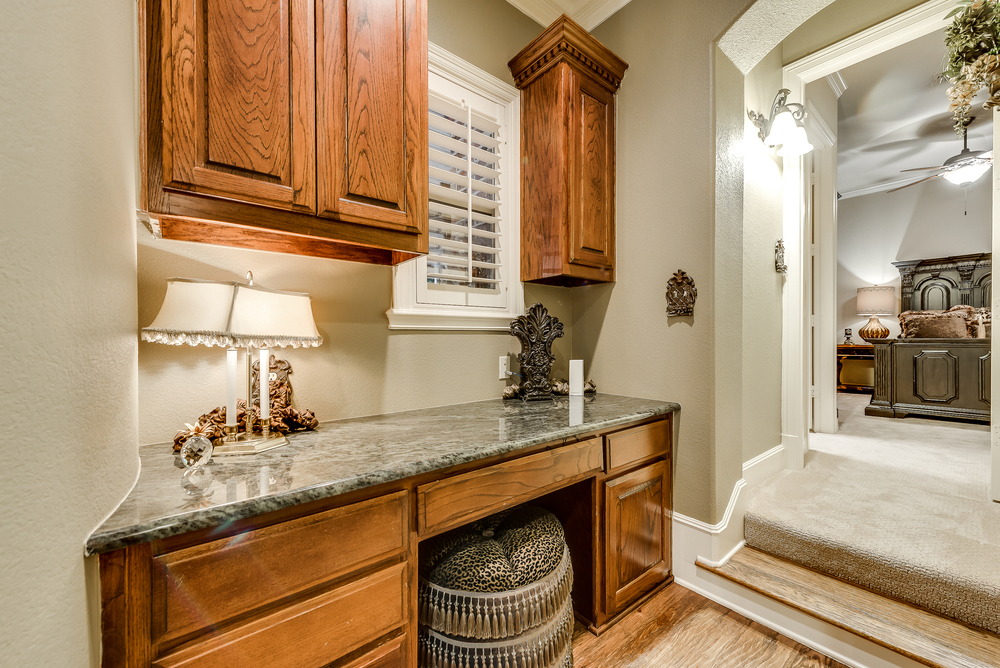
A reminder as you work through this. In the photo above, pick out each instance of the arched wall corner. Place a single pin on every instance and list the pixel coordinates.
(763, 26)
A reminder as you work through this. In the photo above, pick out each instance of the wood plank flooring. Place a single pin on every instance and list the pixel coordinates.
(914, 632)
(678, 628)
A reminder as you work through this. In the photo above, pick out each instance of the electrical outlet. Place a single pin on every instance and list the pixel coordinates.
(503, 366)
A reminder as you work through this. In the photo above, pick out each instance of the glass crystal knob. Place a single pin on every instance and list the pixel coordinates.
(196, 451)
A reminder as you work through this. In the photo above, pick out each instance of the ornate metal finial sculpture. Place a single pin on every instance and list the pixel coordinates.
(681, 294)
(779, 257)
(536, 330)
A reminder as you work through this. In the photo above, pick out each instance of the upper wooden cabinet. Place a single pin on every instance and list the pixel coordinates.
(568, 81)
(290, 125)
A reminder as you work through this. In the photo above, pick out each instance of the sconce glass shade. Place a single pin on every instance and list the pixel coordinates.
(964, 176)
(782, 128)
(211, 313)
(876, 300)
(797, 143)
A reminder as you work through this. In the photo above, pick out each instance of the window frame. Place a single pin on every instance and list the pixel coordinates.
(407, 311)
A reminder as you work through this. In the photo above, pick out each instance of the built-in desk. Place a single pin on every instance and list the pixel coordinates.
(308, 554)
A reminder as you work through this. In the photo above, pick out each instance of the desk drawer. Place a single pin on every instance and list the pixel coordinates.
(631, 446)
(312, 633)
(448, 503)
(207, 584)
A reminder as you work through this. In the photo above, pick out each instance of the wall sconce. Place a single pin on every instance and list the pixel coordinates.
(783, 126)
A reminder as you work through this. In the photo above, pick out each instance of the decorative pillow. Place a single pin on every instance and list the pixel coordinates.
(934, 326)
(499, 553)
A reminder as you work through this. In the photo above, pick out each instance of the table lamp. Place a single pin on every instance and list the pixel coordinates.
(875, 301)
(236, 315)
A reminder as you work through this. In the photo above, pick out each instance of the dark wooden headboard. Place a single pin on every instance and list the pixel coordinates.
(943, 282)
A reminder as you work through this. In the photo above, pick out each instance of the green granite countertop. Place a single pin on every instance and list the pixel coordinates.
(346, 455)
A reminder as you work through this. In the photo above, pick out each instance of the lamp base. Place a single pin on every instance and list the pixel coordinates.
(874, 330)
(251, 446)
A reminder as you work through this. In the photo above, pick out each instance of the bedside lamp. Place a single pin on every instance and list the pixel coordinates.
(236, 315)
(875, 301)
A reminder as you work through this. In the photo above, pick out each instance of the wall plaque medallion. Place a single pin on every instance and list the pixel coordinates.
(681, 294)
(536, 330)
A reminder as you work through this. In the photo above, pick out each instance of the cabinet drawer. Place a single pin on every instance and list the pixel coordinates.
(207, 584)
(390, 655)
(635, 445)
(309, 634)
(448, 503)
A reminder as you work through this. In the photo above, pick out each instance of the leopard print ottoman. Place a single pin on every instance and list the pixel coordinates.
(496, 593)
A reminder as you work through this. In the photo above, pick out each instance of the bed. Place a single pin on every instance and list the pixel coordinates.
(940, 364)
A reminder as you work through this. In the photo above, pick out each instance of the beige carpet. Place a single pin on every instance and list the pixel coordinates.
(899, 506)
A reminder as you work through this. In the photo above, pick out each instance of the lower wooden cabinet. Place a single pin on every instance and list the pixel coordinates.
(637, 535)
(316, 586)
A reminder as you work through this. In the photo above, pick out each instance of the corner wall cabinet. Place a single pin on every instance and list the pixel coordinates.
(287, 125)
(333, 581)
(568, 81)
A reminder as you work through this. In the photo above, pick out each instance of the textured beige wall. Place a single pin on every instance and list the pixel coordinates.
(665, 213)
(762, 285)
(924, 221)
(67, 271)
(362, 368)
(837, 21)
(487, 33)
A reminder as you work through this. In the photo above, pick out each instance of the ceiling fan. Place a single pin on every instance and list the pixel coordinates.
(961, 169)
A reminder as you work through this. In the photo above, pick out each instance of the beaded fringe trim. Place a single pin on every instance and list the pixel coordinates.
(550, 646)
(497, 615)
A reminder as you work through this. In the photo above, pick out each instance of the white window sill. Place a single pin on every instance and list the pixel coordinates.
(444, 320)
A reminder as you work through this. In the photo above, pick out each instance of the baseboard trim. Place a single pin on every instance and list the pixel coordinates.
(763, 466)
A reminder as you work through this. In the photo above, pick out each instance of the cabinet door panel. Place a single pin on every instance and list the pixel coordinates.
(592, 228)
(239, 100)
(637, 535)
(372, 96)
(375, 101)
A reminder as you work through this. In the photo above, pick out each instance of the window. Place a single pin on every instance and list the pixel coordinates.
(470, 278)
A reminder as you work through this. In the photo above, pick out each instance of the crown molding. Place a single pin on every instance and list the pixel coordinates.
(588, 13)
(596, 12)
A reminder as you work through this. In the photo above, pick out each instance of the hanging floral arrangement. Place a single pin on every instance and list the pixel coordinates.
(973, 61)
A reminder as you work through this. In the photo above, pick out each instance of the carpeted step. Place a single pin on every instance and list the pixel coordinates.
(911, 631)
(893, 533)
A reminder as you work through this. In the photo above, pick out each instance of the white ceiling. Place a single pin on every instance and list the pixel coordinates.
(894, 116)
(588, 13)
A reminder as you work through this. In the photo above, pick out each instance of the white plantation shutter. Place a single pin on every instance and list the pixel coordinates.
(465, 260)
(472, 267)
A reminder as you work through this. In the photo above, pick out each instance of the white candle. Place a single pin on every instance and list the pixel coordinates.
(265, 390)
(576, 377)
(231, 387)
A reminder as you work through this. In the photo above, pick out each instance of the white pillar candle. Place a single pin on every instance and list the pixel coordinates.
(231, 387)
(265, 390)
(576, 378)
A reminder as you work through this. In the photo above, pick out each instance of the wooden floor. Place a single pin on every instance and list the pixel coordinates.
(678, 628)
(914, 632)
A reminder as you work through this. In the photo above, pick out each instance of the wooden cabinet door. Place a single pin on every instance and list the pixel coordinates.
(372, 113)
(239, 100)
(637, 535)
(592, 174)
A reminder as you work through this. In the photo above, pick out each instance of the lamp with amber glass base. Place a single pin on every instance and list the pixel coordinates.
(875, 301)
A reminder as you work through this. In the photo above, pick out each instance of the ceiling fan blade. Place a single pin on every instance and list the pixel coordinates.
(920, 169)
(927, 178)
